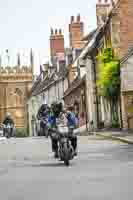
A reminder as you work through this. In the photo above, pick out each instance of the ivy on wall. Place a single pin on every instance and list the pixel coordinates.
(108, 82)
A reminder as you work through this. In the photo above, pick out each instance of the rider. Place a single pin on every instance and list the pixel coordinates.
(8, 120)
(56, 109)
(72, 123)
(43, 115)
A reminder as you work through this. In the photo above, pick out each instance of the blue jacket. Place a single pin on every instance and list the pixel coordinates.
(52, 120)
(71, 119)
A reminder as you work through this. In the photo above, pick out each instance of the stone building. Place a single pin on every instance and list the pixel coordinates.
(127, 90)
(15, 84)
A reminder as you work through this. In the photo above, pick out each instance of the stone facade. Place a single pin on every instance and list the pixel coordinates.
(127, 91)
(14, 90)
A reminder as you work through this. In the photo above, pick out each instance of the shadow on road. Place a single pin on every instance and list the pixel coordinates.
(59, 164)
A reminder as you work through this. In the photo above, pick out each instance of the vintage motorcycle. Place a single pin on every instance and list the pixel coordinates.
(65, 149)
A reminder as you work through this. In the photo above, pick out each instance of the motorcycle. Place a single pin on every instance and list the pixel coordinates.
(66, 152)
(65, 149)
(8, 130)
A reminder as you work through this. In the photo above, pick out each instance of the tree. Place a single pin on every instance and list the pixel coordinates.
(109, 81)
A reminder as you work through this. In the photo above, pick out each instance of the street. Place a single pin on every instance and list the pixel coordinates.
(103, 170)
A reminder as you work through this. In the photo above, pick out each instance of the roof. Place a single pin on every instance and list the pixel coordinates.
(129, 53)
(75, 84)
(49, 80)
(89, 35)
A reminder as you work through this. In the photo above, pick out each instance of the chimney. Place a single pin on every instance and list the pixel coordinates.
(32, 61)
(56, 44)
(72, 19)
(60, 31)
(103, 8)
(52, 32)
(76, 33)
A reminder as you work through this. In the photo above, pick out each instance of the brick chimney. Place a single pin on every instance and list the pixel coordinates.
(102, 10)
(56, 44)
(126, 25)
(76, 33)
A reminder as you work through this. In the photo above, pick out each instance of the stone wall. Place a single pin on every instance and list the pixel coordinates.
(127, 98)
(14, 100)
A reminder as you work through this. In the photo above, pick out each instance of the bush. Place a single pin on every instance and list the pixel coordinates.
(21, 132)
(115, 124)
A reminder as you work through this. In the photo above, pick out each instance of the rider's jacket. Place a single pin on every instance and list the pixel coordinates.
(43, 112)
(71, 119)
(52, 120)
(8, 120)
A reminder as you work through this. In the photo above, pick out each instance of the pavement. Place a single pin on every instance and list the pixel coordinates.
(122, 136)
(103, 170)
(2, 138)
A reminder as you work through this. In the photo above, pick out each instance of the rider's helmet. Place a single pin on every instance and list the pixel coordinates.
(44, 104)
(8, 114)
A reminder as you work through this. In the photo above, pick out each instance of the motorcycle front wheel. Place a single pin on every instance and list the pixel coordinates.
(66, 155)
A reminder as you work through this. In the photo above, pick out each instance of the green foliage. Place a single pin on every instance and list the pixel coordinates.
(109, 75)
(109, 81)
(21, 133)
(115, 124)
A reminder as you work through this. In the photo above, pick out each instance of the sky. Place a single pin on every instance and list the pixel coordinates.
(26, 24)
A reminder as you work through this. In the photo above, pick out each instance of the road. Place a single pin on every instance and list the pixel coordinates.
(103, 170)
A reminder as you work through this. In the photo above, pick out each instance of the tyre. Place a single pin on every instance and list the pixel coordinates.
(66, 153)
(66, 162)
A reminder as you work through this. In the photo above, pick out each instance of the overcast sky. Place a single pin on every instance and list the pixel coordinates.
(26, 23)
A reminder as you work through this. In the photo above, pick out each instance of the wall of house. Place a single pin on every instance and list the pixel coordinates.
(126, 24)
(127, 98)
(127, 91)
(90, 96)
(34, 104)
(78, 95)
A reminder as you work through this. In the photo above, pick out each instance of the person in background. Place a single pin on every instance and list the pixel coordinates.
(8, 120)
(42, 115)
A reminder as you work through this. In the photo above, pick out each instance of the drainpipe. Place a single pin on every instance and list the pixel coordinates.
(96, 91)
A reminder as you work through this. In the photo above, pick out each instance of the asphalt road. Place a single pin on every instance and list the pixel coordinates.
(103, 170)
